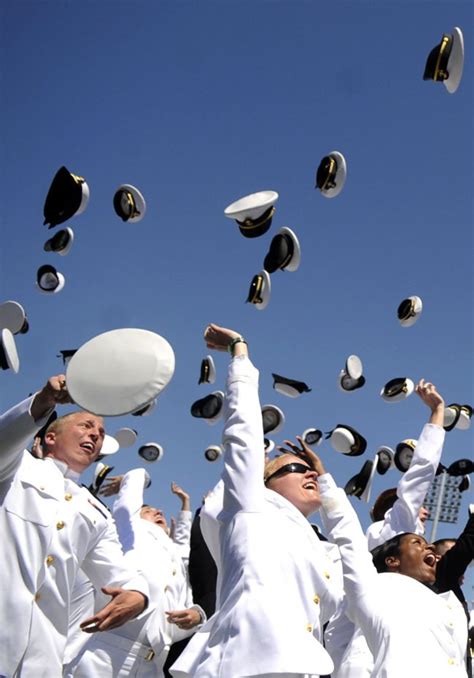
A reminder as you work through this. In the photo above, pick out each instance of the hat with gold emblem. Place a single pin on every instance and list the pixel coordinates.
(213, 452)
(260, 289)
(284, 252)
(61, 242)
(331, 174)
(120, 372)
(452, 414)
(68, 196)
(13, 317)
(409, 311)
(49, 280)
(208, 371)
(253, 213)
(100, 474)
(445, 61)
(397, 389)
(129, 203)
(9, 359)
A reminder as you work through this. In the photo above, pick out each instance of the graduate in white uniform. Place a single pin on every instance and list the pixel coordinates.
(277, 582)
(141, 646)
(51, 527)
(403, 516)
(410, 630)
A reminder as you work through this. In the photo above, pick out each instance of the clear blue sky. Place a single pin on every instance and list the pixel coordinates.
(198, 104)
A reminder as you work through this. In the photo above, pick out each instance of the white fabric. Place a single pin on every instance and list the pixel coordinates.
(150, 550)
(34, 497)
(410, 630)
(357, 660)
(270, 563)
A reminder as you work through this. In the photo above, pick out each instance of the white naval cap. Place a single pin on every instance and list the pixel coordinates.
(9, 359)
(312, 437)
(207, 374)
(409, 310)
(213, 452)
(446, 61)
(360, 485)
(260, 290)
(284, 253)
(385, 459)
(404, 454)
(210, 408)
(68, 196)
(253, 213)
(351, 377)
(129, 203)
(151, 452)
(126, 437)
(13, 317)
(397, 389)
(120, 371)
(49, 280)
(331, 174)
(289, 387)
(61, 242)
(273, 419)
(347, 440)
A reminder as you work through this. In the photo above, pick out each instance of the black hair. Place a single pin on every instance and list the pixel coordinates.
(390, 548)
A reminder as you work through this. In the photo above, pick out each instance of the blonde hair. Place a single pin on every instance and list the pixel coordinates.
(274, 464)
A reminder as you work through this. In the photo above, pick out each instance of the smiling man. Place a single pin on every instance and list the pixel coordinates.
(51, 527)
(277, 582)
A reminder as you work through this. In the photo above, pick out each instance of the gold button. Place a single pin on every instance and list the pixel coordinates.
(68, 496)
(450, 624)
(49, 560)
(167, 588)
(174, 572)
(316, 599)
(37, 596)
(309, 627)
(451, 661)
(41, 487)
(327, 575)
(60, 524)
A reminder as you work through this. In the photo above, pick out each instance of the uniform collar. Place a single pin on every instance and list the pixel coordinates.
(65, 470)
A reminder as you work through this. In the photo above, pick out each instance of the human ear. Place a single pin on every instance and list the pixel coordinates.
(392, 563)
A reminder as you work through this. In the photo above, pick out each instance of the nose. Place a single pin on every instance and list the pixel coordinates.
(311, 475)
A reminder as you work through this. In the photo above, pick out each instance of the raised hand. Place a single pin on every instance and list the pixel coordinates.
(305, 452)
(219, 338)
(53, 393)
(111, 486)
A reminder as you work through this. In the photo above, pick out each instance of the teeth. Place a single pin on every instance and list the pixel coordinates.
(430, 559)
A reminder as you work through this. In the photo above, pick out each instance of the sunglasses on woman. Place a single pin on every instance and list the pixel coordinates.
(294, 467)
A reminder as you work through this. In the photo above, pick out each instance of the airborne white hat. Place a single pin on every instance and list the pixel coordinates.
(253, 213)
(120, 371)
(260, 290)
(129, 203)
(13, 317)
(446, 61)
(331, 174)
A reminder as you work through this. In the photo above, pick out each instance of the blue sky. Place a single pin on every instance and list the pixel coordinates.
(198, 104)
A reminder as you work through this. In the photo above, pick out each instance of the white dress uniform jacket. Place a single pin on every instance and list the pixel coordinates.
(277, 583)
(143, 643)
(50, 528)
(410, 630)
(357, 661)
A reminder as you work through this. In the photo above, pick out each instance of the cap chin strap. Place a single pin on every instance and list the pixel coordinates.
(440, 73)
(249, 224)
(255, 294)
(331, 175)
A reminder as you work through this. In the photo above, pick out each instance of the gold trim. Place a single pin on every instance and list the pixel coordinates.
(257, 298)
(248, 223)
(77, 179)
(332, 164)
(446, 39)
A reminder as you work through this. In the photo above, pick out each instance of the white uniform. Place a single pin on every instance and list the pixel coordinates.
(410, 630)
(143, 644)
(50, 528)
(277, 582)
(357, 661)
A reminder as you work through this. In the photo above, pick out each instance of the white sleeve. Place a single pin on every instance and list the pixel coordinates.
(127, 506)
(182, 535)
(412, 488)
(343, 528)
(243, 440)
(17, 428)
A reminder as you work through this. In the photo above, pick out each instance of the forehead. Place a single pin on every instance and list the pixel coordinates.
(411, 538)
(85, 418)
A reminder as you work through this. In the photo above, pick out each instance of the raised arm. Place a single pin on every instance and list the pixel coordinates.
(127, 506)
(19, 424)
(243, 429)
(415, 482)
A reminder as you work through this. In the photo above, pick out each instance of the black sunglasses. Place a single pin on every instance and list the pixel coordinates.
(294, 467)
